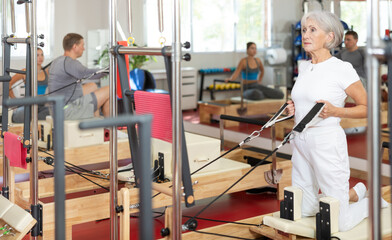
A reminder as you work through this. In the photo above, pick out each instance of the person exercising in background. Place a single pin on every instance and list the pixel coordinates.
(43, 76)
(252, 72)
(81, 100)
(354, 55)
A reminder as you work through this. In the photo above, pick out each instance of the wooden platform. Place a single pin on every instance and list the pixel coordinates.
(226, 107)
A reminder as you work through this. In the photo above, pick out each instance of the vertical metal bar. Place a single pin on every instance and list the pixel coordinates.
(130, 16)
(221, 134)
(389, 15)
(12, 16)
(160, 16)
(6, 64)
(146, 222)
(59, 170)
(27, 109)
(4, 33)
(113, 130)
(373, 138)
(34, 113)
(5, 61)
(268, 24)
(177, 120)
(273, 146)
(27, 10)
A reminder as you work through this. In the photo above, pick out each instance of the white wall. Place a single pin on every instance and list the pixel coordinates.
(79, 16)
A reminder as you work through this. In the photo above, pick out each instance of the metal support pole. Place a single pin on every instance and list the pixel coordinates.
(130, 16)
(373, 138)
(34, 111)
(5, 85)
(177, 122)
(59, 169)
(273, 146)
(144, 155)
(27, 11)
(12, 16)
(160, 16)
(113, 130)
(221, 134)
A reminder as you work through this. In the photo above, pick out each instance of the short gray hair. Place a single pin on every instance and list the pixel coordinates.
(328, 22)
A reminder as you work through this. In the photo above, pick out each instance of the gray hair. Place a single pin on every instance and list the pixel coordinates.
(328, 22)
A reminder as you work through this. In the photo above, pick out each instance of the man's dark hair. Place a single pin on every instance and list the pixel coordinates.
(352, 33)
(71, 39)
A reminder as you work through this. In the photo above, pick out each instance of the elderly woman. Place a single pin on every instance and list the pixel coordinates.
(320, 158)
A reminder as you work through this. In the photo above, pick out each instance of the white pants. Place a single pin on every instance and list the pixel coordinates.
(320, 162)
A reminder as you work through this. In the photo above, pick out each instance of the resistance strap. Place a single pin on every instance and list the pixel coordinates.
(105, 70)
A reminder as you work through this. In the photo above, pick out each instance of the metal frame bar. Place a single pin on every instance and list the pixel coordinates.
(113, 131)
(373, 138)
(31, 16)
(177, 113)
(185, 170)
(6, 50)
(144, 134)
(128, 109)
(18, 40)
(12, 16)
(177, 119)
(27, 109)
(141, 51)
(59, 169)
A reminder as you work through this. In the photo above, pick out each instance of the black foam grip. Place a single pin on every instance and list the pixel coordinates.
(309, 117)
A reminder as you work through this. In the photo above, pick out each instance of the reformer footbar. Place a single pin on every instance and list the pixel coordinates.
(310, 119)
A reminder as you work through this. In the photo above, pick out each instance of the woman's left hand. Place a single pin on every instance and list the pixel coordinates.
(329, 110)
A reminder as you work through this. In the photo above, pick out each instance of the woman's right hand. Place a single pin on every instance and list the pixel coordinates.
(290, 110)
(227, 80)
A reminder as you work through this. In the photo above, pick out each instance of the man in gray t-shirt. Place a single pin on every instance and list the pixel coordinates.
(354, 55)
(81, 100)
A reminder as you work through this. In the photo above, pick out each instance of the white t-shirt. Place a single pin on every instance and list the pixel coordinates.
(323, 81)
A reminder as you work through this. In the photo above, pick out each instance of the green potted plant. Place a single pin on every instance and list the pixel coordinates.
(135, 61)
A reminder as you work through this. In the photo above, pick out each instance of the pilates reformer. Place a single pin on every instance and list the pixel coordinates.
(203, 181)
